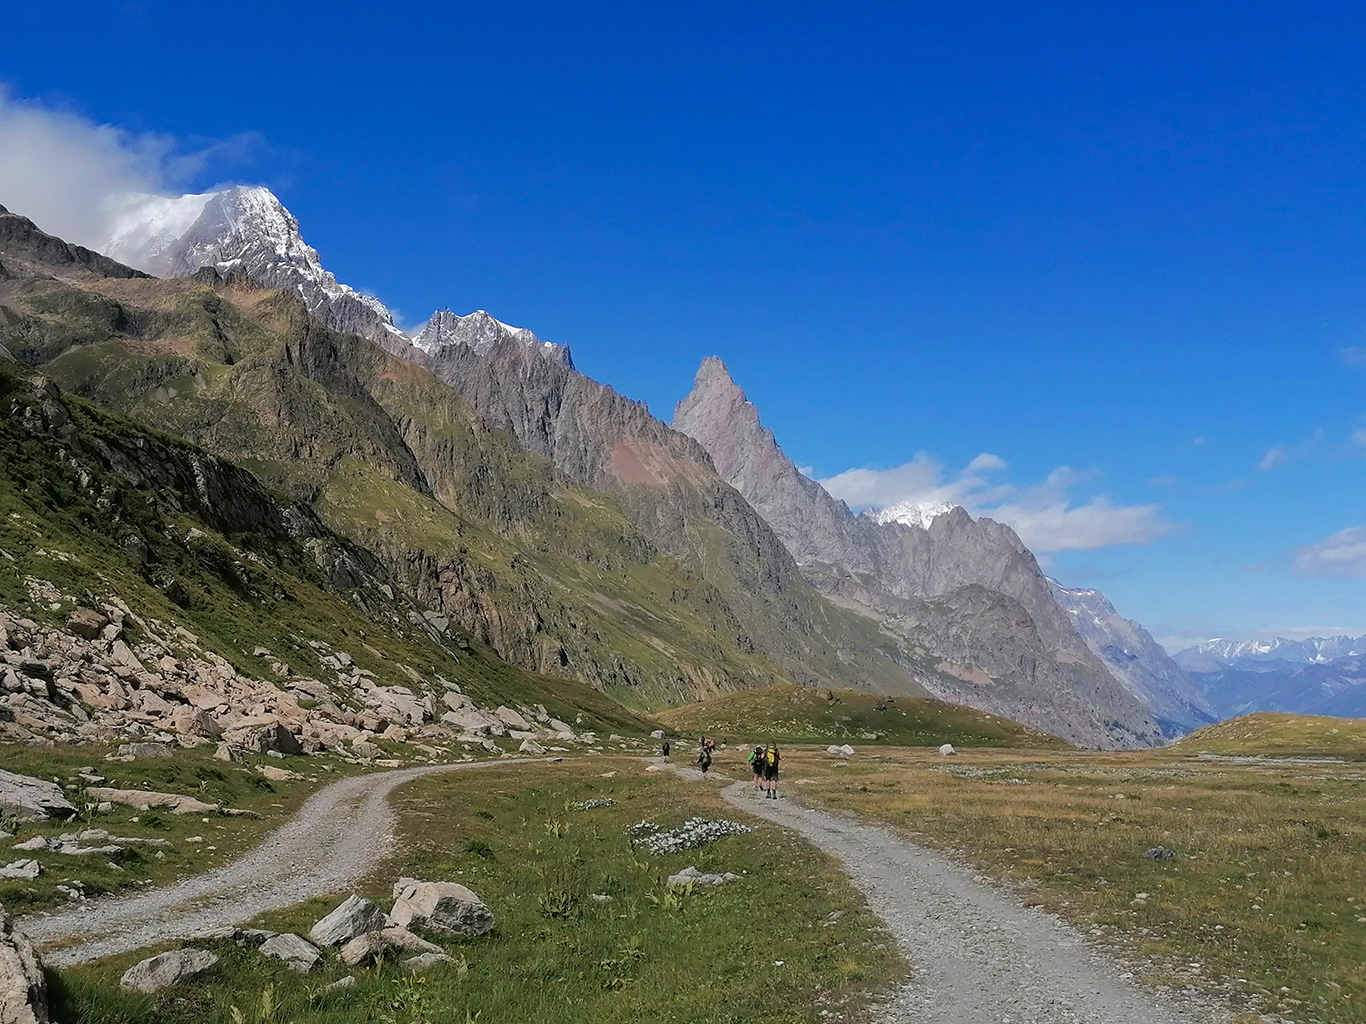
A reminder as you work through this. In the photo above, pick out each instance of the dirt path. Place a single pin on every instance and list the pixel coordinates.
(977, 955)
(341, 833)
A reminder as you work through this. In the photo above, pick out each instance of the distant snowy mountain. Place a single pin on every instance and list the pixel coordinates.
(1316, 650)
(481, 332)
(912, 513)
(247, 229)
(1138, 661)
(1317, 676)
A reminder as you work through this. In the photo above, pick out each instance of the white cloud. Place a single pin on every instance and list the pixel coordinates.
(1274, 458)
(1341, 556)
(1353, 355)
(1045, 515)
(61, 169)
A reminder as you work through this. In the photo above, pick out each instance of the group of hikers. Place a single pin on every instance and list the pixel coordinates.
(763, 761)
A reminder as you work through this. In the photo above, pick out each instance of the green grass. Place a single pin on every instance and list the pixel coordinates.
(1281, 735)
(513, 835)
(1267, 888)
(795, 714)
(189, 772)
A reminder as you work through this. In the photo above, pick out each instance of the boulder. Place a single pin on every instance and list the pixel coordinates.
(355, 916)
(841, 751)
(692, 876)
(143, 800)
(299, 954)
(177, 967)
(658, 734)
(263, 735)
(422, 961)
(192, 721)
(146, 749)
(512, 719)
(86, 623)
(947, 750)
(364, 948)
(30, 799)
(440, 907)
(1159, 853)
(531, 747)
(475, 722)
(27, 870)
(23, 988)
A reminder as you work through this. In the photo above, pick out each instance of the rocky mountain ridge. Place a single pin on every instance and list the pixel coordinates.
(1137, 660)
(1249, 654)
(966, 592)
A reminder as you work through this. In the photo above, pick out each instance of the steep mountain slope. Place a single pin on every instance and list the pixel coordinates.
(965, 592)
(554, 576)
(1137, 661)
(480, 332)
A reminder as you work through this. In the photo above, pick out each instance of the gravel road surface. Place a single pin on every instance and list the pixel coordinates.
(977, 955)
(337, 837)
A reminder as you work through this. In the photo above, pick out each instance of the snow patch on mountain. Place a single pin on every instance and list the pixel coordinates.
(912, 513)
(1316, 650)
(479, 331)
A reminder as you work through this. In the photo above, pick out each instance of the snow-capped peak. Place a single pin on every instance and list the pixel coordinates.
(479, 331)
(913, 513)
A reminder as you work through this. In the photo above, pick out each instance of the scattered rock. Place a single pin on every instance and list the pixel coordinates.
(1159, 853)
(531, 747)
(364, 948)
(278, 774)
(355, 916)
(23, 987)
(177, 967)
(143, 800)
(35, 843)
(25, 869)
(440, 906)
(841, 751)
(692, 876)
(422, 961)
(146, 750)
(340, 984)
(30, 799)
(86, 623)
(947, 750)
(658, 734)
(299, 954)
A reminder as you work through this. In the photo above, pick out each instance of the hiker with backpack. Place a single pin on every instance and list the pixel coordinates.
(704, 759)
(771, 758)
(756, 764)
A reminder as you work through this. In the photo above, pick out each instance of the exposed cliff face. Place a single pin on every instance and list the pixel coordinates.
(1137, 661)
(1013, 633)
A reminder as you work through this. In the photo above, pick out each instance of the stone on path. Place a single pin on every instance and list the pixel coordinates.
(355, 916)
(23, 988)
(440, 906)
(947, 750)
(293, 950)
(30, 799)
(166, 969)
(364, 948)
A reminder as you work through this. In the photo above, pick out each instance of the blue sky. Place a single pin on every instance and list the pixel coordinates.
(1121, 251)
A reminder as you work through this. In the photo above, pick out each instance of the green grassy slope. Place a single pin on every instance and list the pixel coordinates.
(1269, 732)
(805, 715)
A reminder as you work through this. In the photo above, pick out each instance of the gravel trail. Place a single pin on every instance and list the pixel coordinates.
(977, 955)
(341, 833)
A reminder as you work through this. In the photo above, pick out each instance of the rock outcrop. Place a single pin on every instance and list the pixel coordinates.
(176, 967)
(28, 799)
(23, 987)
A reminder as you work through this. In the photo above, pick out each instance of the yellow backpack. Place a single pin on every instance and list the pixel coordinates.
(771, 755)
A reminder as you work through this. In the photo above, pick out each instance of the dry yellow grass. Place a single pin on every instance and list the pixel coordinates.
(1265, 901)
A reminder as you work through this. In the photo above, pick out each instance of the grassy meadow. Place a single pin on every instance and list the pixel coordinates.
(788, 942)
(1264, 902)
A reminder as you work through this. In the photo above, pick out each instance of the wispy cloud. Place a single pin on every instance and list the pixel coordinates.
(1353, 355)
(1341, 556)
(1320, 446)
(1046, 515)
(61, 169)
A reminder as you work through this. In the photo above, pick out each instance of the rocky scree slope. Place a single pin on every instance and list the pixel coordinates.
(661, 589)
(150, 591)
(965, 593)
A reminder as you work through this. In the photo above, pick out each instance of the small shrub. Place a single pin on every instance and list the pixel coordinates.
(480, 849)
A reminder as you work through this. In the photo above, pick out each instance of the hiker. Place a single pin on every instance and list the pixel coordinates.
(756, 764)
(666, 750)
(704, 759)
(771, 771)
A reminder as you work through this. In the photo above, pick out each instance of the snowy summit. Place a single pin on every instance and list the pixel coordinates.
(912, 513)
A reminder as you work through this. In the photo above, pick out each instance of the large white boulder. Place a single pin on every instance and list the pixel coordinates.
(30, 799)
(947, 750)
(355, 916)
(441, 907)
(166, 969)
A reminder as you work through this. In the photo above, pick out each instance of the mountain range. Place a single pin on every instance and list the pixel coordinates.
(1316, 676)
(549, 517)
